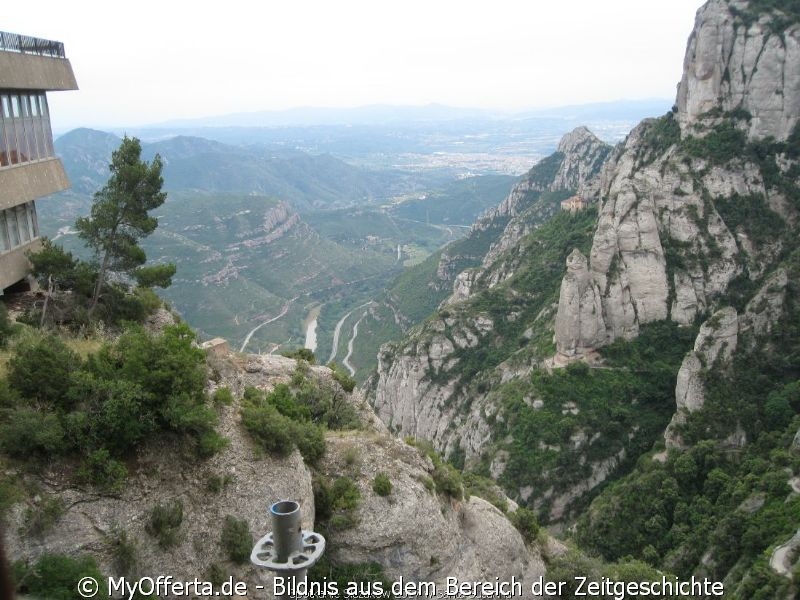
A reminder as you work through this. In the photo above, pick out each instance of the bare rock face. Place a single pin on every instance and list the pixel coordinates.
(659, 205)
(715, 344)
(584, 154)
(766, 307)
(731, 64)
(411, 401)
(415, 533)
(579, 323)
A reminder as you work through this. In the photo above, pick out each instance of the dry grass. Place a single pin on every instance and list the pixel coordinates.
(82, 346)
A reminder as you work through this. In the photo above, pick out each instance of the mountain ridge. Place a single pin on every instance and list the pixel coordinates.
(696, 228)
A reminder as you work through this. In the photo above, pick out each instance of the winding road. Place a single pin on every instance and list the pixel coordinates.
(781, 559)
(284, 310)
(346, 361)
(337, 330)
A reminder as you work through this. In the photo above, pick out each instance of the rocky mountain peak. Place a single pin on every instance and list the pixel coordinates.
(575, 140)
(583, 155)
(740, 57)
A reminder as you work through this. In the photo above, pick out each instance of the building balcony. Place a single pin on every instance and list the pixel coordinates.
(29, 63)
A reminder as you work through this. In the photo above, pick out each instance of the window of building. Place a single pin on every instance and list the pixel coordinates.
(13, 230)
(18, 226)
(5, 241)
(25, 133)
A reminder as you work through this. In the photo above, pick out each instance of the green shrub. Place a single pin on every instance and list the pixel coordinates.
(427, 482)
(117, 413)
(526, 523)
(10, 493)
(236, 540)
(40, 370)
(350, 575)
(269, 428)
(722, 144)
(335, 503)
(55, 577)
(448, 481)
(223, 397)
(351, 456)
(753, 215)
(280, 421)
(659, 137)
(342, 521)
(210, 443)
(345, 494)
(41, 518)
(217, 483)
(124, 551)
(381, 485)
(483, 487)
(67, 272)
(310, 439)
(328, 405)
(216, 574)
(301, 354)
(343, 379)
(30, 433)
(284, 400)
(145, 383)
(164, 523)
(102, 471)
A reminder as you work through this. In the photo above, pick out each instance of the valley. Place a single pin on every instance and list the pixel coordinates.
(263, 232)
(557, 346)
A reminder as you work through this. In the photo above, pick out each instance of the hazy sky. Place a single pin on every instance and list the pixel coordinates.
(146, 61)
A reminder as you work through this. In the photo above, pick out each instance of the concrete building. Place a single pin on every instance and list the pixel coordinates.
(29, 169)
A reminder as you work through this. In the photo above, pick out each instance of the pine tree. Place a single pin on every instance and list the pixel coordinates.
(120, 218)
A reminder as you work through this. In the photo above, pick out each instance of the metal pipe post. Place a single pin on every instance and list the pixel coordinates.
(288, 550)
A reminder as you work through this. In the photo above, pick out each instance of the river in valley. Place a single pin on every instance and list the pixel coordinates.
(311, 328)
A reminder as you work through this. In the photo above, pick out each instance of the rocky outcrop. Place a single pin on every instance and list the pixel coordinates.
(234, 482)
(669, 241)
(763, 311)
(579, 323)
(414, 532)
(736, 60)
(413, 392)
(277, 222)
(713, 348)
(577, 160)
(661, 248)
(717, 341)
(584, 154)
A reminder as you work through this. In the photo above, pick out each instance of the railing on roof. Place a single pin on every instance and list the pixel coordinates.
(25, 44)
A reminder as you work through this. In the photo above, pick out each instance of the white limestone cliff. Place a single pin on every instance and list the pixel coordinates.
(714, 346)
(658, 203)
(733, 64)
(579, 323)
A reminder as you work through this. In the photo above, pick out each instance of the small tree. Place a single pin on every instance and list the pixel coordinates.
(120, 218)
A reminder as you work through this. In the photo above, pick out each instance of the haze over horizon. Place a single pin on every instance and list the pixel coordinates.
(166, 62)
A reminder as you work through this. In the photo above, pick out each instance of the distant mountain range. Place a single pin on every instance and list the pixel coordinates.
(384, 114)
(192, 163)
